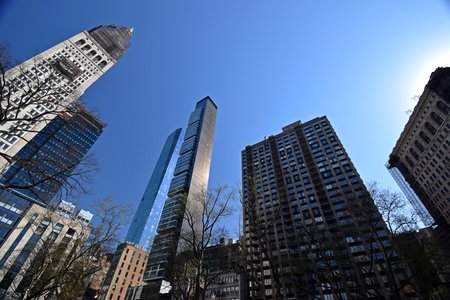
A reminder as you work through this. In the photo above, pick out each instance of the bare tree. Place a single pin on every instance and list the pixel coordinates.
(415, 259)
(56, 266)
(392, 218)
(31, 98)
(201, 229)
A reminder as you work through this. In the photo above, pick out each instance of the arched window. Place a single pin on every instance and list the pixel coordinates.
(97, 58)
(409, 161)
(414, 153)
(419, 145)
(92, 53)
(430, 128)
(436, 118)
(80, 42)
(443, 107)
(102, 64)
(86, 48)
(425, 137)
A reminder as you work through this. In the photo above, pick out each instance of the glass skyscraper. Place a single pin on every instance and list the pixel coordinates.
(142, 230)
(42, 167)
(190, 179)
(412, 197)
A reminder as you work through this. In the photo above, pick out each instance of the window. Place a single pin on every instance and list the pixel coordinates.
(424, 137)
(443, 107)
(430, 128)
(419, 145)
(436, 118)
(80, 42)
(414, 153)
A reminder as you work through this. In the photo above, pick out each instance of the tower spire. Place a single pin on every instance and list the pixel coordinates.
(114, 39)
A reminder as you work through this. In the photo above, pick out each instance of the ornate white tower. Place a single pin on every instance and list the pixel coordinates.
(50, 82)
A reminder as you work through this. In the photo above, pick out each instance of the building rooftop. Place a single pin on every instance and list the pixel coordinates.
(114, 39)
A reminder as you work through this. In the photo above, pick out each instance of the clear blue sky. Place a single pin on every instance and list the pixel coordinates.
(265, 64)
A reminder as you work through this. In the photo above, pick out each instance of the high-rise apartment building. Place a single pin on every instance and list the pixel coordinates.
(312, 230)
(37, 89)
(127, 269)
(422, 153)
(39, 233)
(50, 158)
(142, 230)
(189, 181)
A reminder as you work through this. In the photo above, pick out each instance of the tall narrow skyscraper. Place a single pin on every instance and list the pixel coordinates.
(142, 230)
(312, 230)
(190, 179)
(422, 153)
(52, 81)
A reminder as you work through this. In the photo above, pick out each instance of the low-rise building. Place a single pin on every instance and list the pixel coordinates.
(40, 241)
(224, 279)
(127, 269)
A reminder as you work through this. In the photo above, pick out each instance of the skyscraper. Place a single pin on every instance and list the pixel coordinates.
(190, 179)
(312, 230)
(44, 164)
(142, 230)
(422, 153)
(52, 81)
(412, 197)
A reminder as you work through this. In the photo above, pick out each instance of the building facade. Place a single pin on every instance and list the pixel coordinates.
(312, 230)
(142, 230)
(95, 281)
(53, 81)
(39, 233)
(190, 180)
(127, 269)
(43, 166)
(224, 279)
(422, 153)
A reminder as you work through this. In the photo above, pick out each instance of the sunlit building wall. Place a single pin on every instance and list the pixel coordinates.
(38, 232)
(143, 227)
(190, 180)
(127, 269)
(67, 69)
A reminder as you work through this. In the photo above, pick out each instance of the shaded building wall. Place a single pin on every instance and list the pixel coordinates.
(312, 230)
(422, 153)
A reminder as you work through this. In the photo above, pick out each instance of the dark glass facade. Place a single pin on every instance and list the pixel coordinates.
(43, 165)
(308, 219)
(190, 178)
(142, 230)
